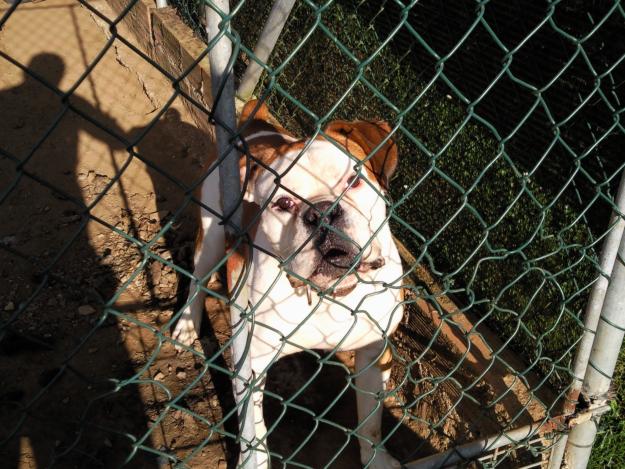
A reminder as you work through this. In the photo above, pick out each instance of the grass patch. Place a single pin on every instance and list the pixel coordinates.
(609, 448)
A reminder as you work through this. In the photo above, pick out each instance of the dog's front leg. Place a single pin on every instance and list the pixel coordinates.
(209, 249)
(258, 448)
(372, 373)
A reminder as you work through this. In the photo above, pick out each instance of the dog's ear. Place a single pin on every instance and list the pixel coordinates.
(254, 109)
(263, 138)
(368, 136)
(255, 117)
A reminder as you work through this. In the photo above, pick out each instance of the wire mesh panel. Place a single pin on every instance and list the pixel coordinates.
(505, 118)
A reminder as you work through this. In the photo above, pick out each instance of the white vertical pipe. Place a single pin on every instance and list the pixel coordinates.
(224, 110)
(603, 357)
(230, 186)
(268, 37)
(593, 310)
(161, 3)
(557, 451)
(597, 295)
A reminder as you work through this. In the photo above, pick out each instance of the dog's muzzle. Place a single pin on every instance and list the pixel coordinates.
(337, 253)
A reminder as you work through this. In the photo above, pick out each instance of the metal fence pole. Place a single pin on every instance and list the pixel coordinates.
(230, 187)
(593, 311)
(267, 41)
(603, 357)
(470, 451)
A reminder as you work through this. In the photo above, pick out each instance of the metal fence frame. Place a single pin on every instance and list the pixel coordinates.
(604, 318)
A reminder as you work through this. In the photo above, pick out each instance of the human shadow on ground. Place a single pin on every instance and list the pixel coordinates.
(62, 355)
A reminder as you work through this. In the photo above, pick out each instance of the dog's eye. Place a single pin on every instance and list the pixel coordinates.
(354, 182)
(285, 204)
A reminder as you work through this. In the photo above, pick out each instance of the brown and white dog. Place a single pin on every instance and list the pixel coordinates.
(323, 224)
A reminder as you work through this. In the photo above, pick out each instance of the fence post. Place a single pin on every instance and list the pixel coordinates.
(592, 313)
(267, 41)
(230, 187)
(602, 361)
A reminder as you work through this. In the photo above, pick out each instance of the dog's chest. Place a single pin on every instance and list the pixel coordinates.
(284, 318)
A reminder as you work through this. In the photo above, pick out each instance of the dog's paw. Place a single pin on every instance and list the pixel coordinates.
(185, 333)
(381, 460)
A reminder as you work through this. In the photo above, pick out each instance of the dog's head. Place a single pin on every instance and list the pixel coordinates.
(323, 209)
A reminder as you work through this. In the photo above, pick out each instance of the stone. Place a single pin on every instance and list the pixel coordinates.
(86, 310)
(155, 271)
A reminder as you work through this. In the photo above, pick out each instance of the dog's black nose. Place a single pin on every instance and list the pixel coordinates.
(337, 251)
(313, 216)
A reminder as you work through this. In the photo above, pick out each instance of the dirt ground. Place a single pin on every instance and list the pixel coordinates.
(61, 357)
(80, 388)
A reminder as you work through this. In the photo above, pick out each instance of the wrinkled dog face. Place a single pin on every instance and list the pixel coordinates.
(308, 224)
(320, 216)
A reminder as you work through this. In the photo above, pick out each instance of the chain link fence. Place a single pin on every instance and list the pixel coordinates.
(506, 116)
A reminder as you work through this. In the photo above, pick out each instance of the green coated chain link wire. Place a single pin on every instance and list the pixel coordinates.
(507, 116)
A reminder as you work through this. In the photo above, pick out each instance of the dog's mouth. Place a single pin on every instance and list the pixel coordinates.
(326, 275)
